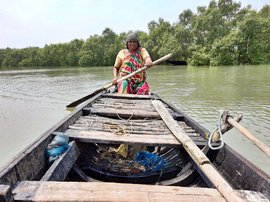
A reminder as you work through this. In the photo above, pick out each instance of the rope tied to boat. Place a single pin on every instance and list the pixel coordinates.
(118, 129)
(115, 128)
(222, 127)
(123, 149)
(127, 120)
(214, 136)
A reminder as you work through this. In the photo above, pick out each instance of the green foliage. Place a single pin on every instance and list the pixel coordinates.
(12, 57)
(157, 31)
(254, 39)
(221, 33)
(74, 48)
(224, 51)
(199, 55)
(31, 57)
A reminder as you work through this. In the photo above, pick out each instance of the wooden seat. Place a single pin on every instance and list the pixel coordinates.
(102, 191)
(111, 138)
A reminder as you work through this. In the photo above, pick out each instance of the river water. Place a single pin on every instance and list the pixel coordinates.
(31, 101)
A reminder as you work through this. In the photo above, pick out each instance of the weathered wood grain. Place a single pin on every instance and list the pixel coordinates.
(197, 155)
(128, 96)
(125, 113)
(97, 191)
(5, 193)
(152, 126)
(111, 138)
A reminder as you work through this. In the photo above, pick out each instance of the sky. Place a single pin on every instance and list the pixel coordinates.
(26, 23)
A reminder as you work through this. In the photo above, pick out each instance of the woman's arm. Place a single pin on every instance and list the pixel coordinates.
(115, 75)
(146, 57)
(148, 62)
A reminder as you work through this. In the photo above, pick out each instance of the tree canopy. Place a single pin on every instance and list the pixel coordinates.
(222, 33)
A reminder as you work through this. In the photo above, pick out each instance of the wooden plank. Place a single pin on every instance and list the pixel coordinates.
(97, 191)
(125, 114)
(142, 123)
(60, 167)
(196, 154)
(119, 121)
(128, 96)
(134, 106)
(5, 193)
(122, 103)
(125, 129)
(132, 130)
(111, 138)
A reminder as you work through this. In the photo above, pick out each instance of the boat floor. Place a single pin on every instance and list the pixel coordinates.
(114, 120)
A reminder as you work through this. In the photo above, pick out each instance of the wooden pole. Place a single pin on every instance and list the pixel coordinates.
(251, 137)
(196, 154)
(81, 100)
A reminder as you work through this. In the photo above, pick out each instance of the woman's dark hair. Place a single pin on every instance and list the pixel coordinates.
(132, 37)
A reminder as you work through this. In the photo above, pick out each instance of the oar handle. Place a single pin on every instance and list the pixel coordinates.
(251, 137)
(156, 62)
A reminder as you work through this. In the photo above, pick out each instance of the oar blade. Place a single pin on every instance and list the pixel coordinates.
(83, 99)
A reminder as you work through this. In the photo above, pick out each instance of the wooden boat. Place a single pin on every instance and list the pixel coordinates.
(93, 162)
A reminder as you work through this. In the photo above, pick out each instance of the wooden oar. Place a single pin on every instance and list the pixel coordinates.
(196, 154)
(251, 137)
(81, 100)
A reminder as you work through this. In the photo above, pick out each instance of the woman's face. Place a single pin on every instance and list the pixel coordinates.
(132, 45)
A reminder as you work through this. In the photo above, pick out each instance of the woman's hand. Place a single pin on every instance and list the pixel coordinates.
(122, 74)
(148, 62)
(114, 81)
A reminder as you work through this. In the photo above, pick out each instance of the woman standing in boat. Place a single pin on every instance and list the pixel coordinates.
(129, 60)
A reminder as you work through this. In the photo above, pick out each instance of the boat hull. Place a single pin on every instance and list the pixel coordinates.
(31, 163)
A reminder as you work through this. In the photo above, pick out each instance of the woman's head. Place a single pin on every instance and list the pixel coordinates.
(132, 41)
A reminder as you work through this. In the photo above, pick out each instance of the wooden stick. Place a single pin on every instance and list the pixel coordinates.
(81, 100)
(196, 154)
(251, 137)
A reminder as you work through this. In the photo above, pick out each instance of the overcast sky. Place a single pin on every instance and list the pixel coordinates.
(27, 23)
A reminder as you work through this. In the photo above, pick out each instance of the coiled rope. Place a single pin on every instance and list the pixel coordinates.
(218, 129)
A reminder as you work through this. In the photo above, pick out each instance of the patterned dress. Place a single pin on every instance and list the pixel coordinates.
(129, 62)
